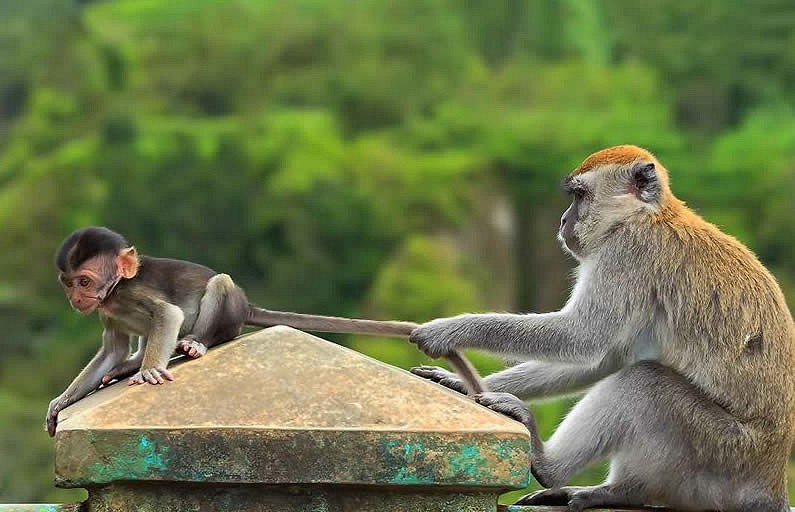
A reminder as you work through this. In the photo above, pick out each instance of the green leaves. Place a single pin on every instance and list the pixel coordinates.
(373, 158)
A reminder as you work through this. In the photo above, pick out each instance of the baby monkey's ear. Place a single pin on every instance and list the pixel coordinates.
(127, 263)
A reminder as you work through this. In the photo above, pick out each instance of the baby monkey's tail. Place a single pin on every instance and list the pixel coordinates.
(266, 318)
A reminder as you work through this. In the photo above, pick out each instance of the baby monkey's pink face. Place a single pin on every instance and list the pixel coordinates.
(88, 285)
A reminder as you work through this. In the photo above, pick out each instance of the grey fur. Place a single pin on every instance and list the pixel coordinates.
(660, 319)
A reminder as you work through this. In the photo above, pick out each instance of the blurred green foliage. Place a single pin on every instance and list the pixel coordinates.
(387, 159)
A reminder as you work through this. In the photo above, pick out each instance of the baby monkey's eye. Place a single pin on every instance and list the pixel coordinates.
(83, 282)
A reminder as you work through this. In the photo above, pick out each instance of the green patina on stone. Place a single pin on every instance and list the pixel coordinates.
(505, 452)
(407, 463)
(408, 448)
(134, 460)
(418, 462)
(521, 473)
(468, 463)
(72, 507)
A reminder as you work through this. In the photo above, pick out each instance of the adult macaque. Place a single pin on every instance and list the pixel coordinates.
(685, 334)
(171, 305)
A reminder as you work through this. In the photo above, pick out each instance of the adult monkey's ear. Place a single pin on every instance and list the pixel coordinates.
(127, 263)
(645, 182)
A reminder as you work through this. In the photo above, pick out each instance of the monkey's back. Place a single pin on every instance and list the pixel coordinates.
(733, 333)
(176, 279)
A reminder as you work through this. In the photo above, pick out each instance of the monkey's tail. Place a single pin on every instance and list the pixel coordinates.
(469, 375)
(267, 318)
(260, 317)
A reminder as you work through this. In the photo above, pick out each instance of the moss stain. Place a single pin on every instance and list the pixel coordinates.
(134, 459)
(408, 464)
(469, 463)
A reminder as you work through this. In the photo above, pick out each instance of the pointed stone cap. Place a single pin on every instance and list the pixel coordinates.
(280, 406)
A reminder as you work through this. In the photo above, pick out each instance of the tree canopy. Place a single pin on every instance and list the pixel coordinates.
(369, 158)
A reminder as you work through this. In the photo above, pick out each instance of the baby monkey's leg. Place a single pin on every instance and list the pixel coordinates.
(222, 312)
(128, 366)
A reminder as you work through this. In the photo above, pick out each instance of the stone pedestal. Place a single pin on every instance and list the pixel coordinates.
(279, 420)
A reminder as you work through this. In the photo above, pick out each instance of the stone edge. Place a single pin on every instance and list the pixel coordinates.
(399, 458)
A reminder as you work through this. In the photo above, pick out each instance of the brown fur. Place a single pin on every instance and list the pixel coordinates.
(617, 155)
(172, 305)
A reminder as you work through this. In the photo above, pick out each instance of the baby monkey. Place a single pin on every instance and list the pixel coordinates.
(172, 305)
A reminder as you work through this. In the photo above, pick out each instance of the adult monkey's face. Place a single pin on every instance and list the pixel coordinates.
(568, 221)
(623, 185)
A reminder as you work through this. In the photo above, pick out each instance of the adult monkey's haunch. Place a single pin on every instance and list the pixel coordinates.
(684, 335)
(172, 305)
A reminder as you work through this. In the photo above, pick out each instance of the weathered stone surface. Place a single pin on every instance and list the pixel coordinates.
(251, 498)
(286, 409)
(281, 378)
(32, 507)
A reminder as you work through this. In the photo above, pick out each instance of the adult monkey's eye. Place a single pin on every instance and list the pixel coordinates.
(84, 281)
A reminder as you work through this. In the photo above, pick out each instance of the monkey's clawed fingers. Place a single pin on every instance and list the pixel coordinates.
(434, 373)
(52, 417)
(52, 424)
(506, 404)
(441, 376)
(546, 497)
(152, 376)
(574, 499)
(191, 348)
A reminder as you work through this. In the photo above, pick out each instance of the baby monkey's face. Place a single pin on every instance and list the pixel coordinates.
(88, 285)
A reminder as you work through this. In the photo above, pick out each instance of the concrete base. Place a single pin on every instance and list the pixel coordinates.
(141, 496)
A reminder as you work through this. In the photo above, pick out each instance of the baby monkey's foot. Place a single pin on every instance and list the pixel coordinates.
(152, 376)
(191, 347)
(122, 370)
